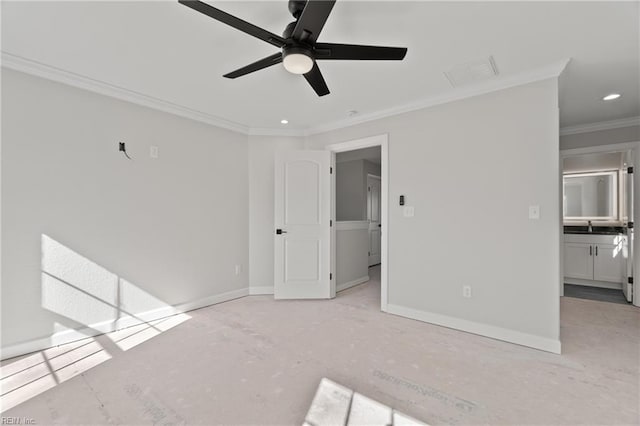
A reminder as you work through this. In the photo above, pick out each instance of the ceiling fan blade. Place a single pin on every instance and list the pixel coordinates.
(256, 66)
(359, 52)
(313, 17)
(236, 23)
(315, 79)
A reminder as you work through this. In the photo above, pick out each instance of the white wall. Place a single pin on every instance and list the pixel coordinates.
(144, 233)
(351, 187)
(262, 151)
(350, 198)
(352, 258)
(601, 137)
(471, 169)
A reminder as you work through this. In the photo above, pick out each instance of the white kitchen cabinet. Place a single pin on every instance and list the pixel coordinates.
(595, 260)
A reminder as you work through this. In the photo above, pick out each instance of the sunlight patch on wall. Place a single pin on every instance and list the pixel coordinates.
(92, 296)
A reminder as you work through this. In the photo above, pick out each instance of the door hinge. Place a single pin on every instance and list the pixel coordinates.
(369, 253)
(630, 225)
(630, 280)
(330, 222)
(330, 276)
(630, 170)
(369, 189)
(330, 170)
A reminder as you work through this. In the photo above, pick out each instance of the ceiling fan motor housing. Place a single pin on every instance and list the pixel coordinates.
(296, 7)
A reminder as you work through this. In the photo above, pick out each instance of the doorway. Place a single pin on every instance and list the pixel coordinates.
(359, 203)
(599, 197)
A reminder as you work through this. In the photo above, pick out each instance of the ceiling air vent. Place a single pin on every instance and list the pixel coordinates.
(472, 72)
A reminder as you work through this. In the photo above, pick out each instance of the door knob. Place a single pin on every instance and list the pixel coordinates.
(379, 225)
(280, 231)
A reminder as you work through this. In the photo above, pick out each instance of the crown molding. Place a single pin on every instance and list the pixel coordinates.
(39, 69)
(549, 71)
(600, 125)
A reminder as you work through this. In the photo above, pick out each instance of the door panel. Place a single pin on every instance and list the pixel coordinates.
(302, 214)
(301, 194)
(373, 216)
(578, 261)
(607, 263)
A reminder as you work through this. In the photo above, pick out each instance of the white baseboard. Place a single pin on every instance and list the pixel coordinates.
(499, 333)
(350, 284)
(68, 336)
(260, 290)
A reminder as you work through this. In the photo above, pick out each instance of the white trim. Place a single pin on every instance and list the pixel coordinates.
(353, 283)
(600, 125)
(260, 290)
(484, 330)
(550, 71)
(352, 225)
(383, 142)
(39, 69)
(71, 335)
(49, 72)
(600, 148)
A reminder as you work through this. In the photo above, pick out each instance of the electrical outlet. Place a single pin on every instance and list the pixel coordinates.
(238, 269)
(153, 151)
(466, 291)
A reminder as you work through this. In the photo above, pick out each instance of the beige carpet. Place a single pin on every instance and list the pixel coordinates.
(259, 361)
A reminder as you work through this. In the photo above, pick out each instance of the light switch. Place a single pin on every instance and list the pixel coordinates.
(408, 211)
(534, 212)
(153, 151)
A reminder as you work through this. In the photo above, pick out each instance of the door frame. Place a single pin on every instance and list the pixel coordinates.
(383, 142)
(620, 147)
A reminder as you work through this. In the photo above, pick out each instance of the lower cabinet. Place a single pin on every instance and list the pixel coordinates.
(578, 261)
(607, 263)
(595, 261)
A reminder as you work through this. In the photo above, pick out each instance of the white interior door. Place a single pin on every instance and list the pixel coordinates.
(373, 216)
(302, 226)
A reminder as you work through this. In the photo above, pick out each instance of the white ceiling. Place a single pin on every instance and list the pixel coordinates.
(170, 52)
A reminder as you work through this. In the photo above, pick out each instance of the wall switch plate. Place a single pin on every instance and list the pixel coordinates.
(408, 211)
(238, 269)
(153, 151)
(534, 212)
(466, 291)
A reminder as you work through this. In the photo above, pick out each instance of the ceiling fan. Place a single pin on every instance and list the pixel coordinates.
(300, 49)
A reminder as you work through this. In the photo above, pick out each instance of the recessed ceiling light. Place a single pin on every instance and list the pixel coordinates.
(611, 97)
(284, 121)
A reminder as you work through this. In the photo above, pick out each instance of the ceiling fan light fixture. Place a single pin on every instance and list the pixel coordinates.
(297, 60)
